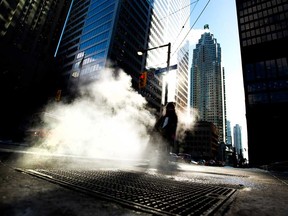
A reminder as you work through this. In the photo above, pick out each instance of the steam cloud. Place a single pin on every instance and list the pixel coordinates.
(110, 119)
(186, 121)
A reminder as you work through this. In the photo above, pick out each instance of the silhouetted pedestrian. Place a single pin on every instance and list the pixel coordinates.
(166, 126)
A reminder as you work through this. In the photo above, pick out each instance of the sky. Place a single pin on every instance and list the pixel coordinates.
(221, 17)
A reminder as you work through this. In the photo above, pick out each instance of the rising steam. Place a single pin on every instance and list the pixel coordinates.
(186, 121)
(109, 120)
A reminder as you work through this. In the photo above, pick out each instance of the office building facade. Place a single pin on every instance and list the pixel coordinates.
(228, 134)
(182, 79)
(169, 26)
(207, 92)
(263, 35)
(237, 138)
(29, 32)
(201, 142)
(99, 34)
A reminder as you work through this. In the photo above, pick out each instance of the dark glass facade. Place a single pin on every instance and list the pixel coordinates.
(101, 34)
(263, 34)
(202, 142)
(29, 32)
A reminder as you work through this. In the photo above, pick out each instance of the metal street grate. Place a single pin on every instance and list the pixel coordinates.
(155, 194)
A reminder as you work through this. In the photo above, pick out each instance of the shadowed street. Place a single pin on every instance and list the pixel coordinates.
(42, 184)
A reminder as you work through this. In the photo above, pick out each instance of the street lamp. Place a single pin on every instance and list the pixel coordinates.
(141, 52)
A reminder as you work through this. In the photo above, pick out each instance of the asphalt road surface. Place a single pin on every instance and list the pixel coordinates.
(34, 183)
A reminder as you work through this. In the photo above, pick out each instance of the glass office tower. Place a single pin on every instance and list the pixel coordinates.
(237, 138)
(29, 33)
(207, 82)
(228, 134)
(100, 33)
(263, 34)
(169, 25)
(182, 79)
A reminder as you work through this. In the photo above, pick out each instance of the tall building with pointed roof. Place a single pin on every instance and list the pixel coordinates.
(207, 83)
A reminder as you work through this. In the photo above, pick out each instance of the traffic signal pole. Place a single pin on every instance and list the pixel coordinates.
(168, 65)
(164, 98)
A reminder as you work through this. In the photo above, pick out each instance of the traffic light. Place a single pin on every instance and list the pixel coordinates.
(58, 95)
(142, 79)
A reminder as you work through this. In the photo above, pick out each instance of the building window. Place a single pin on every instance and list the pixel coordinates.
(260, 70)
(279, 97)
(249, 72)
(256, 87)
(282, 67)
(258, 98)
(271, 69)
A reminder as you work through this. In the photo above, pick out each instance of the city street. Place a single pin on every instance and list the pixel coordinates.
(36, 183)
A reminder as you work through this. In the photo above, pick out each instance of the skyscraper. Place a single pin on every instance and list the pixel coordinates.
(182, 79)
(237, 138)
(100, 33)
(263, 34)
(29, 31)
(168, 25)
(228, 134)
(207, 92)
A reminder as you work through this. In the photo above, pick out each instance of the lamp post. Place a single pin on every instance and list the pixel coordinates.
(168, 65)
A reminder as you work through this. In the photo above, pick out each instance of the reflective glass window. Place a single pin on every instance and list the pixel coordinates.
(278, 97)
(256, 87)
(282, 67)
(258, 98)
(249, 72)
(271, 69)
(260, 70)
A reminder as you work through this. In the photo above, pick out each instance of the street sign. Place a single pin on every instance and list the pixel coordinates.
(162, 70)
(75, 74)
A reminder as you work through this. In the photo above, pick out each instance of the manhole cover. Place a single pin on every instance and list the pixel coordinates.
(155, 194)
